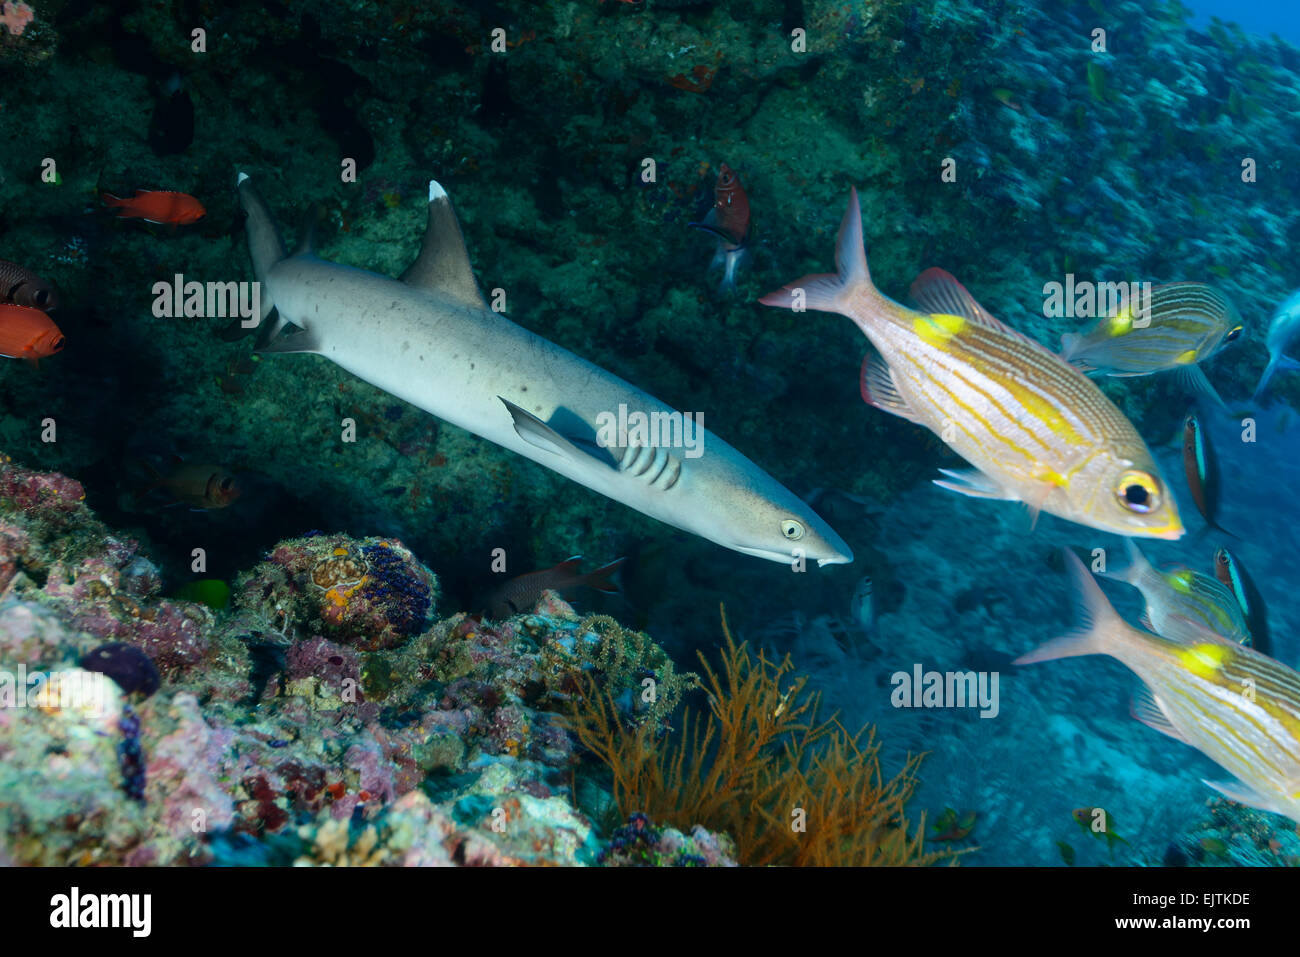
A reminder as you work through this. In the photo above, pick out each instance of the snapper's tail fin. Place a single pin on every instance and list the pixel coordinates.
(828, 292)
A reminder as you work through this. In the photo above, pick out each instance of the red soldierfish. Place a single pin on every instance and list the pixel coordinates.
(158, 206)
(199, 486)
(520, 594)
(27, 333)
(22, 287)
(729, 221)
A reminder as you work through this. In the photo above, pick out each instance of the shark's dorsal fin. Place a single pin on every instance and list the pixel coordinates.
(443, 263)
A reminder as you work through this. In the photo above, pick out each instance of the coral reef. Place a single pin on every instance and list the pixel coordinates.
(324, 718)
(372, 594)
(640, 844)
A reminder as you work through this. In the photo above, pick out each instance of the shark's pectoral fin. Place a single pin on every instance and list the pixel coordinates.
(537, 433)
(282, 336)
(443, 264)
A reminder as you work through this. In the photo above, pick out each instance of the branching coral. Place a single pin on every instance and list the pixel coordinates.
(789, 789)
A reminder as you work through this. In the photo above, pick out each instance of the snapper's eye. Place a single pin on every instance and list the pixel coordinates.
(1138, 492)
(792, 530)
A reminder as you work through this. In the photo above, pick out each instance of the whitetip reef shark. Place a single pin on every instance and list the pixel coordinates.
(430, 339)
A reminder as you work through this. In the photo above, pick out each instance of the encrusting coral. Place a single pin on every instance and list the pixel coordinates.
(790, 790)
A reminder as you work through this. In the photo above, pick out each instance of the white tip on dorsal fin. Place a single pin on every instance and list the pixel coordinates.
(443, 264)
(240, 179)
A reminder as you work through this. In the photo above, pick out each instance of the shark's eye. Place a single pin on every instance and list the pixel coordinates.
(792, 530)
(1138, 492)
(1233, 334)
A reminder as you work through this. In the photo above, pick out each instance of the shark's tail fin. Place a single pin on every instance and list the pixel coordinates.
(264, 242)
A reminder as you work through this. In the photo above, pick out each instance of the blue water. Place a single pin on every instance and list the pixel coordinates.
(1262, 17)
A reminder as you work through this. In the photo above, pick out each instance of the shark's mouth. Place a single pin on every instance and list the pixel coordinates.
(788, 556)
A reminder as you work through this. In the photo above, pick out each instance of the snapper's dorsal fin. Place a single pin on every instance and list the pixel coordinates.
(443, 264)
(938, 292)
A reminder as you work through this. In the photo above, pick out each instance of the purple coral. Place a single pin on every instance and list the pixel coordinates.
(130, 667)
(394, 582)
(129, 753)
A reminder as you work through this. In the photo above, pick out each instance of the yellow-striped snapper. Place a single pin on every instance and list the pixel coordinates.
(1182, 324)
(1239, 708)
(1035, 429)
(1181, 598)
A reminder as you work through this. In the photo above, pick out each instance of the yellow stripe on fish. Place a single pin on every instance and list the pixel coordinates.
(1035, 428)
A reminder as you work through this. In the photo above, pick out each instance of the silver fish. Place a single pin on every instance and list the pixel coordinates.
(1182, 325)
(1036, 429)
